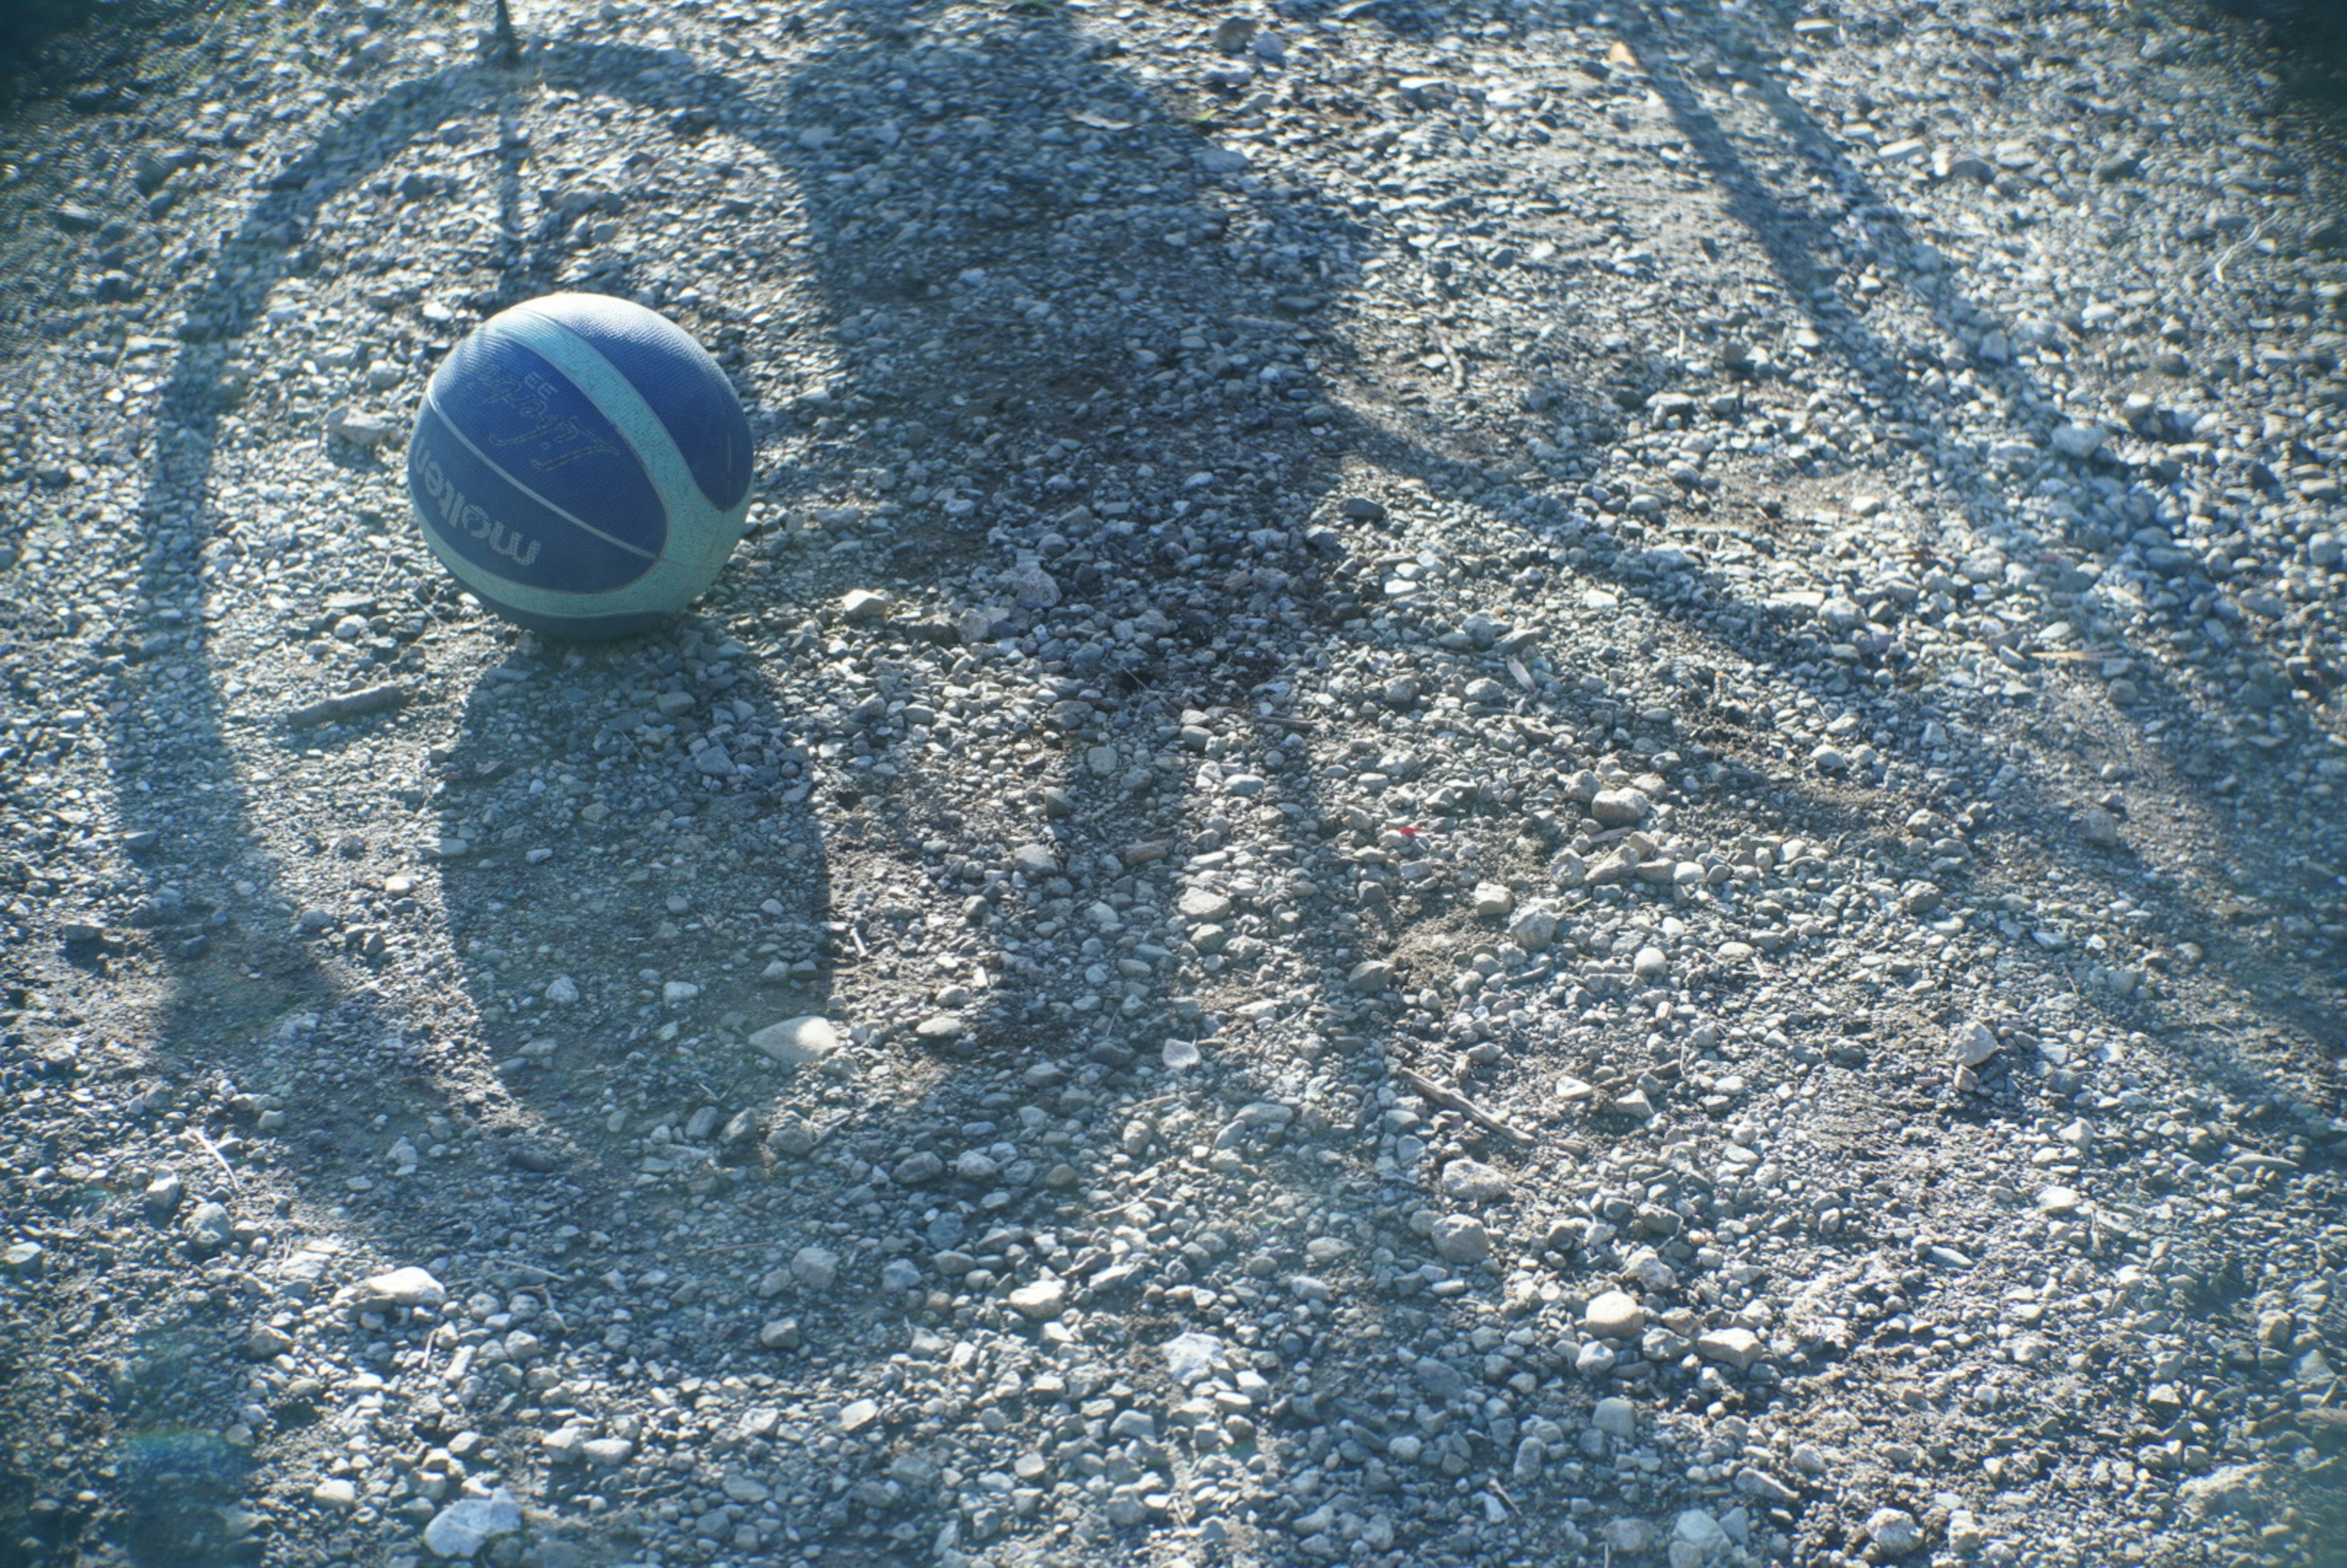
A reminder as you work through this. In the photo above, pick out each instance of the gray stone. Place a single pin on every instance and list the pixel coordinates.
(1974, 1043)
(1619, 807)
(1460, 1238)
(360, 428)
(815, 1267)
(1894, 1532)
(1474, 1182)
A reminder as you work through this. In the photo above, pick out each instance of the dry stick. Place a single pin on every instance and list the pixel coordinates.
(350, 705)
(1458, 365)
(210, 1148)
(1452, 1100)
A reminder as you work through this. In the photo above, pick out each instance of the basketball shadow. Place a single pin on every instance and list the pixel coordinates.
(663, 896)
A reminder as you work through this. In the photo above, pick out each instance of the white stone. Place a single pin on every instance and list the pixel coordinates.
(607, 1453)
(1533, 928)
(1474, 1182)
(1613, 1314)
(1700, 1530)
(1975, 1043)
(1203, 904)
(1736, 1347)
(1190, 1356)
(797, 1042)
(1041, 1301)
(1619, 807)
(464, 1527)
(409, 1287)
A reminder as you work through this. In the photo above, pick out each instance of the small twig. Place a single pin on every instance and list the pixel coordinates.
(2218, 271)
(211, 1149)
(349, 705)
(541, 1272)
(1458, 365)
(1451, 1098)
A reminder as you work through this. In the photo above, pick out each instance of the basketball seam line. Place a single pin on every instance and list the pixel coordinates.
(432, 407)
(686, 493)
(567, 331)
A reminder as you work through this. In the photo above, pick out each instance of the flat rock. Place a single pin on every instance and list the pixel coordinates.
(1894, 1532)
(1972, 1043)
(1474, 1182)
(1041, 1301)
(1460, 1238)
(360, 428)
(1203, 904)
(2078, 441)
(607, 1453)
(1736, 1347)
(1619, 807)
(409, 1287)
(800, 1041)
(1613, 1314)
(464, 1527)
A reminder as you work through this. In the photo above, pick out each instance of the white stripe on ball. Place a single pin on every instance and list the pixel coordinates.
(699, 537)
(502, 472)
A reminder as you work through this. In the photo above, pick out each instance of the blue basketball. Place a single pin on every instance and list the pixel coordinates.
(581, 466)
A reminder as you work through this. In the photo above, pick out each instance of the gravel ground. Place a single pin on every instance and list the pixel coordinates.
(1535, 784)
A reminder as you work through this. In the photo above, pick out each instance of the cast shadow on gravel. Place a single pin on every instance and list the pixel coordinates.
(351, 1057)
(601, 686)
(1791, 236)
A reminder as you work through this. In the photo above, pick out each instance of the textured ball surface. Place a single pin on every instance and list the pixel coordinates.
(581, 466)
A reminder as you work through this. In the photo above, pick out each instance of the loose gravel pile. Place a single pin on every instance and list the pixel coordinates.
(1524, 785)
